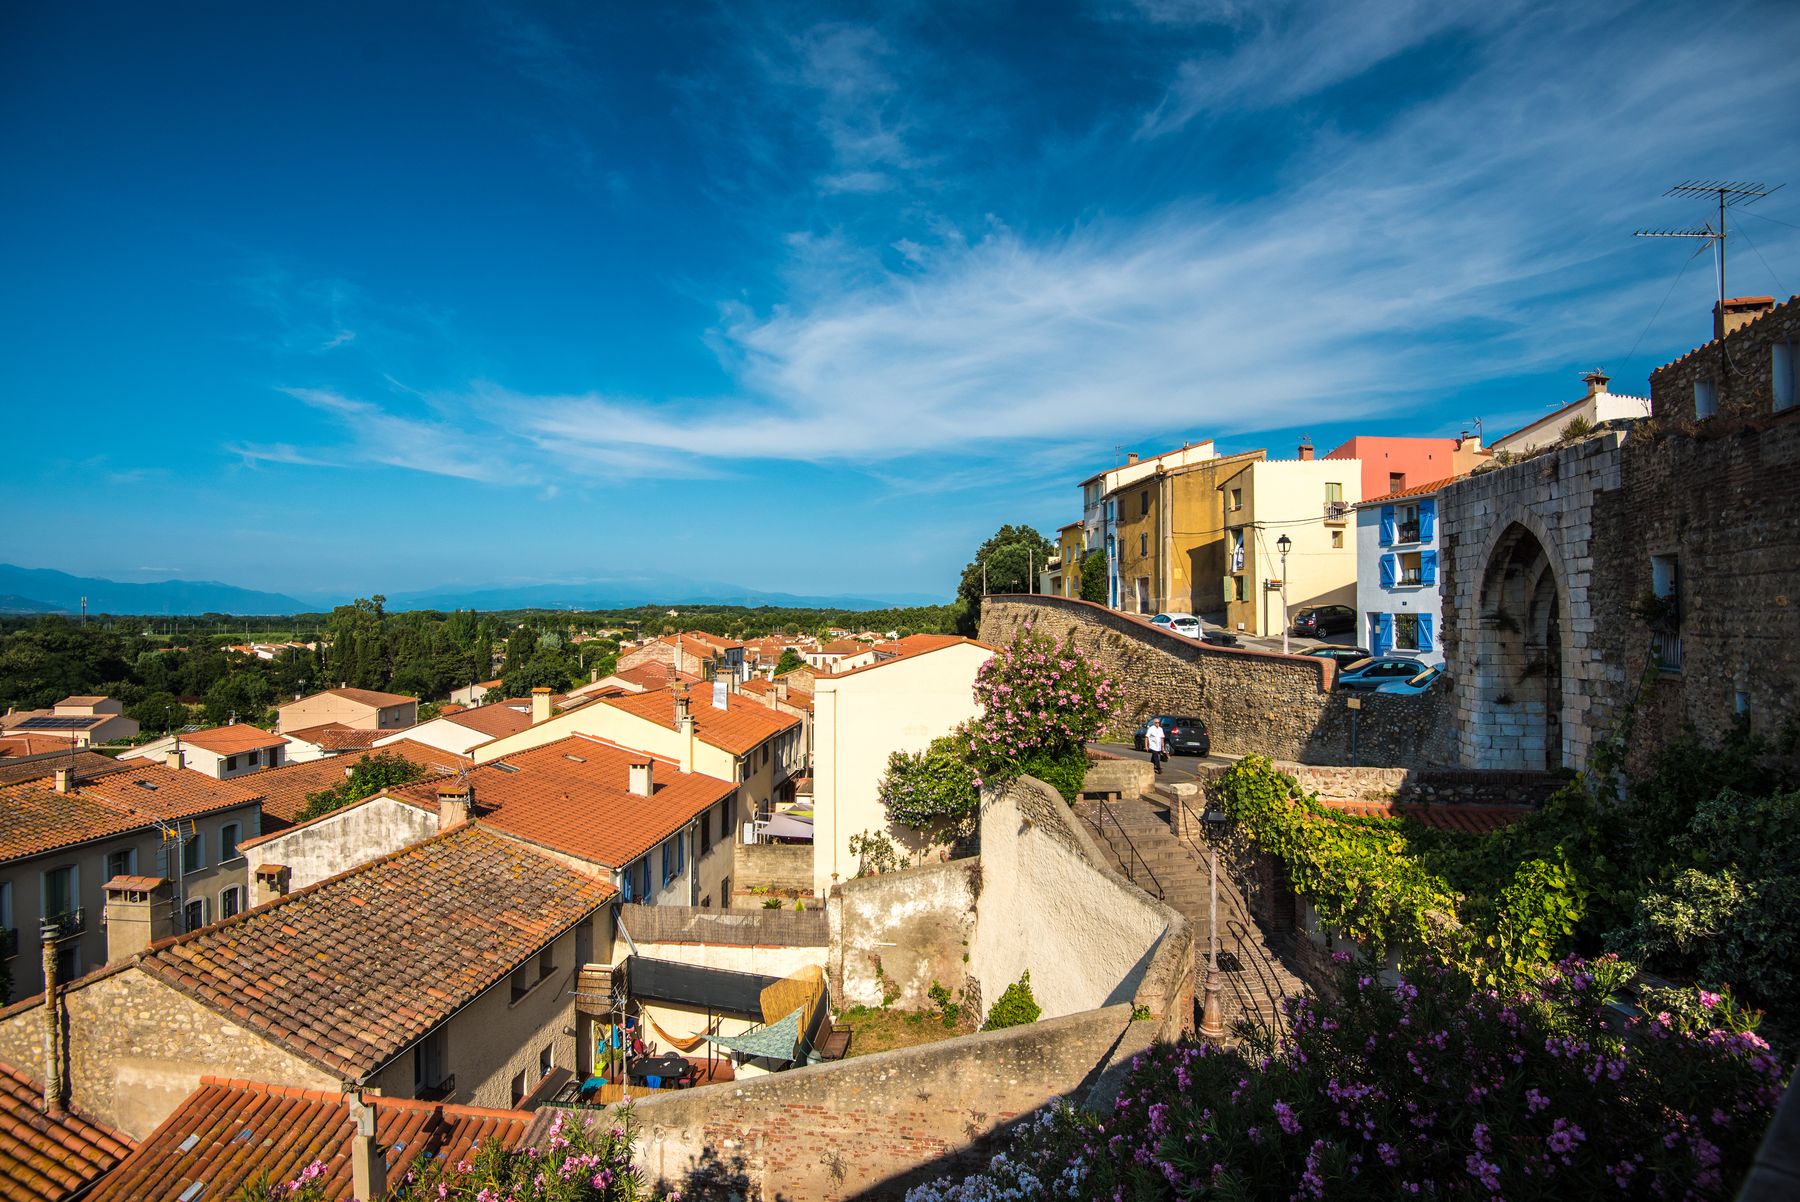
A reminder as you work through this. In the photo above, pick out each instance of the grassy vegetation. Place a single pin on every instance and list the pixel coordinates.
(880, 1029)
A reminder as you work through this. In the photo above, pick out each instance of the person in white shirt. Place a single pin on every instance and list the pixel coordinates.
(1153, 743)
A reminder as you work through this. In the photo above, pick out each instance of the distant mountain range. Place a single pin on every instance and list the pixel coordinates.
(42, 590)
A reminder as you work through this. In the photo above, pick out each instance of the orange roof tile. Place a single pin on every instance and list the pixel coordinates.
(285, 789)
(496, 718)
(35, 818)
(655, 675)
(1459, 817)
(372, 697)
(335, 736)
(936, 642)
(349, 972)
(82, 763)
(242, 1129)
(49, 1158)
(574, 796)
(232, 740)
(738, 728)
(26, 744)
(1417, 490)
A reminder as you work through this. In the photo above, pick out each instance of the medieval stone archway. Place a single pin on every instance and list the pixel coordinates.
(1517, 719)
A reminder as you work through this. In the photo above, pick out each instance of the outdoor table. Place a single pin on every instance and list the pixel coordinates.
(669, 1067)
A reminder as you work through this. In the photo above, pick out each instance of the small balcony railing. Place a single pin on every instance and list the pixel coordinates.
(1335, 511)
(1667, 649)
(66, 925)
(1407, 534)
(440, 1092)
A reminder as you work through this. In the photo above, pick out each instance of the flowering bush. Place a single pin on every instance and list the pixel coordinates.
(579, 1162)
(937, 785)
(1433, 1088)
(1038, 698)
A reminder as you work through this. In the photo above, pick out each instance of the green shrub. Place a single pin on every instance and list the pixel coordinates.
(1015, 1007)
(1064, 771)
(932, 787)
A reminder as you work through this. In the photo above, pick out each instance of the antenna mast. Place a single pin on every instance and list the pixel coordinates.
(1728, 193)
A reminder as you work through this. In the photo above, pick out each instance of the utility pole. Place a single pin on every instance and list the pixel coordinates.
(1727, 193)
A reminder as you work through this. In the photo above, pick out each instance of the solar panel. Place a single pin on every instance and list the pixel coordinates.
(51, 723)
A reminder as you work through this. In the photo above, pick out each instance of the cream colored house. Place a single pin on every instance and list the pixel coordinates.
(1596, 408)
(863, 716)
(83, 721)
(1312, 503)
(366, 709)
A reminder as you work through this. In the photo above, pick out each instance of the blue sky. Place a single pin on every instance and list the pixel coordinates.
(341, 299)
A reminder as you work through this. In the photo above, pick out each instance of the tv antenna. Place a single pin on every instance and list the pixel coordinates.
(1728, 193)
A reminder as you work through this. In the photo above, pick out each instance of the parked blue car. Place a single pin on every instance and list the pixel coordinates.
(1412, 686)
(1370, 674)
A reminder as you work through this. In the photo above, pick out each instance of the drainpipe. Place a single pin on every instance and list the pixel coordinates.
(53, 1084)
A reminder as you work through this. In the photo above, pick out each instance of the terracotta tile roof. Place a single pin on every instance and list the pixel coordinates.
(232, 740)
(98, 700)
(655, 675)
(44, 1158)
(842, 647)
(335, 736)
(349, 972)
(372, 697)
(1463, 818)
(284, 789)
(1417, 490)
(938, 643)
(574, 796)
(141, 884)
(17, 745)
(709, 643)
(798, 698)
(43, 765)
(495, 718)
(35, 818)
(242, 1129)
(738, 728)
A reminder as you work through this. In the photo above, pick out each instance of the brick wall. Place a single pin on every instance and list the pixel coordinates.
(871, 1126)
(1253, 702)
(778, 865)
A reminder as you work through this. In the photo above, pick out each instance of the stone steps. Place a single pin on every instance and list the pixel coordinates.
(1263, 974)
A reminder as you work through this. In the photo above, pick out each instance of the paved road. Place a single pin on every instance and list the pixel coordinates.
(1178, 767)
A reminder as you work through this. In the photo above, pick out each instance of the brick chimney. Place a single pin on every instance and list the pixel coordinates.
(64, 779)
(541, 708)
(139, 911)
(456, 803)
(1738, 312)
(1596, 381)
(368, 1168)
(271, 882)
(643, 778)
(1306, 447)
(175, 758)
(1131, 457)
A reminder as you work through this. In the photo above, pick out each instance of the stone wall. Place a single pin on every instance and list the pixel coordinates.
(1534, 681)
(900, 932)
(345, 839)
(1049, 905)
(780, 866)
(1253, 702)
(871, 1126)
(1424, 784)
(137, 1048)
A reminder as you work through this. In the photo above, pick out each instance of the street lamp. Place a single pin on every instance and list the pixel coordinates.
(1284, 544)
(1212, 1017)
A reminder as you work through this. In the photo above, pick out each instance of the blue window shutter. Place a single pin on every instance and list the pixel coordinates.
(1387, 525)
(1427, 520)
(1384, 634)
(1425, 625)
(1389, 571)
(1428, 567)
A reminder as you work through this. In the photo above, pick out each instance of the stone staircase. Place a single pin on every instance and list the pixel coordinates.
(1135, 836)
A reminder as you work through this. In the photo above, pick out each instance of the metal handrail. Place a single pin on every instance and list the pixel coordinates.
(1106, 812)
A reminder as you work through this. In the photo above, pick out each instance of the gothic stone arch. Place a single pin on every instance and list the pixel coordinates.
(1521, 649)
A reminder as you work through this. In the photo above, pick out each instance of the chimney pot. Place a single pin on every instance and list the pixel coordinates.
(1131, 457)
(540, 705)
(175, 758)
(138, 913)
(643, 778)
(271, 882)
(1306, 448)
(456, 803)
(1596, 381)
(681, 706)
(64, 778)
(1738, 312)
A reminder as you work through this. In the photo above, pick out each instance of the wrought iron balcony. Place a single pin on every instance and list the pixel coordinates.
(440, 1092)
(66, 925)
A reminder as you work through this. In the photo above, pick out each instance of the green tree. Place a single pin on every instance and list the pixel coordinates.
(245, 695)
(790, 659)
(369, 776)
(548, 669)
(160, 713)
(1093, 578)
(1009, 562)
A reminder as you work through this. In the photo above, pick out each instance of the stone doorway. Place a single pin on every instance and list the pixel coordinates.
(1518, 717)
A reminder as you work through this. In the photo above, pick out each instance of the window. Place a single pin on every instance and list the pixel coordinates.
(60, 892)
(518, 1088)
(1143, 544)
(193, 915)
(228, 841)
(121, 863)
(1144, 503)
(1706, 399)
(68, 961)
(429, 1060)
(1408, 531)
(1406, 632)
(9, 937)
(1781, 374)
(1242, 589)
(1665, 582)
(546, 962)
(725, 809)
(193, 852)
(1237, 497)
(546, 1060)
(1334, 494)
(1143, 594)
(1409, 569)
(1337, 540)
(706, 834)
(230, 763)
(231, 901)
(520, 985)
(1396, 481)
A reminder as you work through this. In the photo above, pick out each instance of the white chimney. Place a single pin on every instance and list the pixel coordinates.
(1596, 381)
(540, 705)
(643, 778)
(456, 803)
(64, 778)
(175, 758)
(720, 689)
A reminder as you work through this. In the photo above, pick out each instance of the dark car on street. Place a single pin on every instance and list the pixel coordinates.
(1317, 621)
(1368, 675)
(1181, 736)
(1343, 656)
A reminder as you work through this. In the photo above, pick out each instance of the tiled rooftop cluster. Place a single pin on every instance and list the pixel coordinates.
(737, 728)
(44, 1157)
(284, 790)
(35, 818)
